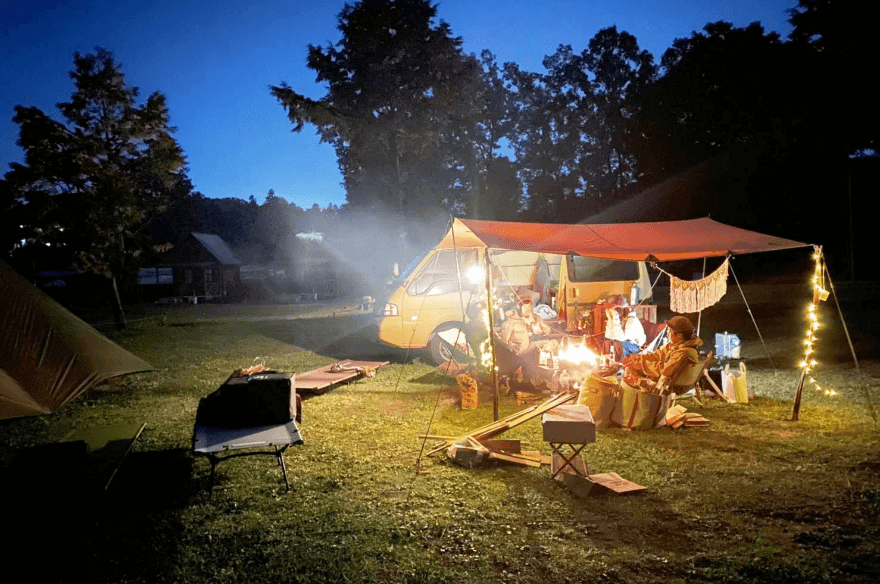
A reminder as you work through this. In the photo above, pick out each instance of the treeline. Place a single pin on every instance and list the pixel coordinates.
(423, 131)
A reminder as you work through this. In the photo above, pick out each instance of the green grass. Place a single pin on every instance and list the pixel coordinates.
(753, 497)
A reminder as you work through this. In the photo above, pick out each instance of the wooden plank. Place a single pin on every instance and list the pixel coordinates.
(509, 446)
(489, 431)
(515, 459)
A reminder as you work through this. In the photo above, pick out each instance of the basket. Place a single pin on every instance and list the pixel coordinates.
(600, 395)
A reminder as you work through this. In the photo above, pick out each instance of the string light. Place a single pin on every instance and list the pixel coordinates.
(819, 294)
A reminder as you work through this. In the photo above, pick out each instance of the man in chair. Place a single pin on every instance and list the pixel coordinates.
(526, 334)
(668, 360)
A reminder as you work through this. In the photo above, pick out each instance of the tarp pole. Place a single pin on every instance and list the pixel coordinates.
(797, 397)
(817, 288)
(749, 309)
(491, 309)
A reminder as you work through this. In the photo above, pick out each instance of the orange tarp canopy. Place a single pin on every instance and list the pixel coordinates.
(655, 241)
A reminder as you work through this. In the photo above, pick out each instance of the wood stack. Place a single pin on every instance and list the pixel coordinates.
(478, 445)
(677, 417)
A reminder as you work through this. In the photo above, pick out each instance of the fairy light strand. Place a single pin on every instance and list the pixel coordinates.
(809, 362)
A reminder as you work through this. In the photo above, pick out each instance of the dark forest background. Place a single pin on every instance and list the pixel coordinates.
(770, 134)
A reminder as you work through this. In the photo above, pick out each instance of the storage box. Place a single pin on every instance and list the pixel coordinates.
(727, 346)
(263, 399)
(569, 424)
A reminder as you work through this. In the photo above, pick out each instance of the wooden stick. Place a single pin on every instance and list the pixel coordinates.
(718, 391)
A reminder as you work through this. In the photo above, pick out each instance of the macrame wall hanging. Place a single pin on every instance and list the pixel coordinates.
(695, 296)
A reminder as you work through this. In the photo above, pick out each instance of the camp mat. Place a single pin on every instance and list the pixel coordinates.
(321, 379)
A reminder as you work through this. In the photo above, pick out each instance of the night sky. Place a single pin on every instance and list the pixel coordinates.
(214, 61)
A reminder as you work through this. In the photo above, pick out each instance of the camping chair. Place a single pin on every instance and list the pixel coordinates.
(689, 378)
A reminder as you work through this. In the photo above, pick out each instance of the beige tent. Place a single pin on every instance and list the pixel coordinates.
(48, 356)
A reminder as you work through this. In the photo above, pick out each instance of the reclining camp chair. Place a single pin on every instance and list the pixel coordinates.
(689, 378)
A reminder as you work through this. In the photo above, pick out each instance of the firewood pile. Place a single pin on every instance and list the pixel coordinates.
(678, 417)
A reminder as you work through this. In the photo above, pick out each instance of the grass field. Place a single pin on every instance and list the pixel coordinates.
(753, 497)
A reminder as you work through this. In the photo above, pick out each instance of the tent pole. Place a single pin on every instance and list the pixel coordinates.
(700, 314)
(492, 337)
(797, 397)
(749, 309)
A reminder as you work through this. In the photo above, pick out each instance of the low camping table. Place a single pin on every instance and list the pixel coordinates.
(219, 444)
(569, 426)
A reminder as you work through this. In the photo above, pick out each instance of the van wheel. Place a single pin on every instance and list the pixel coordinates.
(442, 351)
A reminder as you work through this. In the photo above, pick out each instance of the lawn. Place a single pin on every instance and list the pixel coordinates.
(753, 497)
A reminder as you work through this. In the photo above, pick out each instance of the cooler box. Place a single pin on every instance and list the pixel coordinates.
(727, 346)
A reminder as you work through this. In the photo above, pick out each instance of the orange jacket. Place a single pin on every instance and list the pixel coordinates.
(667, 360)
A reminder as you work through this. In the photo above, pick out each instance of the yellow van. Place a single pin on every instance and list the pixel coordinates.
(435, 303)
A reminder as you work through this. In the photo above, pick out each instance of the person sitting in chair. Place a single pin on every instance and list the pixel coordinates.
(669, 359)
(623, 326)
(526, 335)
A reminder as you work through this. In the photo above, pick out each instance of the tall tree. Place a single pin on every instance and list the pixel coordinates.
(578, 131)
(834, 39)
(398, 108)
(90, 186)
(724, 89)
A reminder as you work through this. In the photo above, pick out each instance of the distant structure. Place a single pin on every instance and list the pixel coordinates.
(202, 269)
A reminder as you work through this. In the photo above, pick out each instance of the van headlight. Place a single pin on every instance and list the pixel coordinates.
(389, 310)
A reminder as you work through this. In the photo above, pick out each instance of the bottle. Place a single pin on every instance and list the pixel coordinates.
(564, 381)
(634, 295)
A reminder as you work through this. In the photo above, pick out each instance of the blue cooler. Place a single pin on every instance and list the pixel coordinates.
(727, 346)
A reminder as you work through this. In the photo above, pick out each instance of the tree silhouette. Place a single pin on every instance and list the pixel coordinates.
(399, 108)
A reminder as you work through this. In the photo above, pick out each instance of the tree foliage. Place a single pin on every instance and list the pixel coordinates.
(89, 186)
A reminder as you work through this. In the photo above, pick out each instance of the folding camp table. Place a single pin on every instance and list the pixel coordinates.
(107, 447)
(88, 458)
(219, 444)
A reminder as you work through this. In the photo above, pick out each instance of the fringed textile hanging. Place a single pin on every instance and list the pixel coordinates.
(688, 297)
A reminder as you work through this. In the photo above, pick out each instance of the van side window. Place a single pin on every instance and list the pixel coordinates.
(582, 269)
(440, 275)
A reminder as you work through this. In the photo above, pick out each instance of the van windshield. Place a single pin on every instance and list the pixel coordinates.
(583, 269)
(440, 274)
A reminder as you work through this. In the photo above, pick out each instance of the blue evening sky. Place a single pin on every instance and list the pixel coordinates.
(214, 61)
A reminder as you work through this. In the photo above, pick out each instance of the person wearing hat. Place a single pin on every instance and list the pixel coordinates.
(668, 360)
(526, 335)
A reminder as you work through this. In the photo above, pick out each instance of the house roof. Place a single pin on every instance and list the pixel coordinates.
(217, 247)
